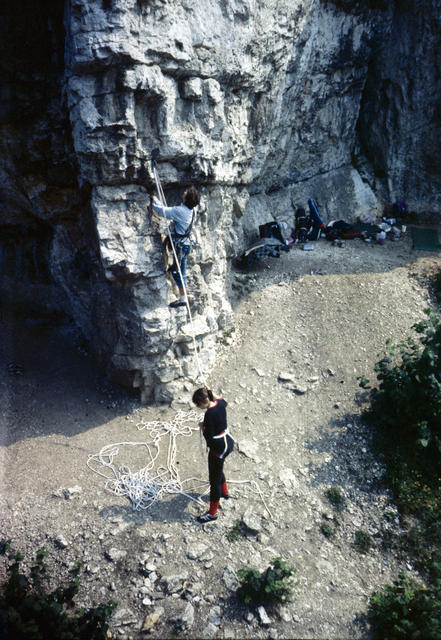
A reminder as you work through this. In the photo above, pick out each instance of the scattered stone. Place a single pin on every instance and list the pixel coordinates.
(263, 538)
(252, 521)
(325, 567)
(285, 614)
(229, 578)
(61, 542)
(214, 616)
(263, 616)
(209, 631)
(248, 448)
(196, 551)
(173, 583)
(184, 617)
(152, 619)
(298, 388)
(71, 492)
(288, 478)
(285, 377)
(124, 617)
(114, 554)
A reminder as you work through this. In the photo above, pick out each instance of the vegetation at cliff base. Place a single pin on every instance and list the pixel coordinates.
(405, 413)
(29, 611)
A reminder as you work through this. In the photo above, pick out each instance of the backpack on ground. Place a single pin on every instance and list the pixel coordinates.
(316, 225)
(301, 226)
(399, 210)
(273, 229)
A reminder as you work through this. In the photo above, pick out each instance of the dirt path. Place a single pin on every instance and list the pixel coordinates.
(289, 372)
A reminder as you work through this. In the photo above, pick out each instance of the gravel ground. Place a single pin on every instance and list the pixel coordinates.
(307, 326)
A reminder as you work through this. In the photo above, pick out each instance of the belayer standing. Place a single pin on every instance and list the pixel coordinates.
(220, 445)
(183, 218)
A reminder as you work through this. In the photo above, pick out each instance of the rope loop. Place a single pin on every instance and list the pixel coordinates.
(147, 485)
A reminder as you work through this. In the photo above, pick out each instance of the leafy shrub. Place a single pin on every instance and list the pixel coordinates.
(335, 497)
(406, 415)
(235, 532)
(437, 287)
(406, 610)
(272, 586)
(408, 401)
(29, 612)
(327, 530)
(362, 541)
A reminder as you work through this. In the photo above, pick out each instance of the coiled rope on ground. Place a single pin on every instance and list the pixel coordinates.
(146, 486)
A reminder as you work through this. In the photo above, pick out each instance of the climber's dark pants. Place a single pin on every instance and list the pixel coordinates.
(182, 253)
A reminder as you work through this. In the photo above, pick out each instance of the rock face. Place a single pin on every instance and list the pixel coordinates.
(261, 105)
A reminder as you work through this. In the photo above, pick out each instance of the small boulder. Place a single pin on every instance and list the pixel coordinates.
(252, 521)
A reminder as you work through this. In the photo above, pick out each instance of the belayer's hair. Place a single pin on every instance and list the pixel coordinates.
(191, 198)
(202, 394)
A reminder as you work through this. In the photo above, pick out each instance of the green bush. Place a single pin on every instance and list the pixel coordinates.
(437, 287)
(30, 612)
(235, 532)
(362, 541)
(408, 401)
(406, 610)
(335, 497)
(406, 415)
(272, 586)
(327, 530)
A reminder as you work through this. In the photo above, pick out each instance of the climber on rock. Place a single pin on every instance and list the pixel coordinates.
(182, 217)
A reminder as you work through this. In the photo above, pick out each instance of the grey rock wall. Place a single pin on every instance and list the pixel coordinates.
(260, 104)
(400, 123)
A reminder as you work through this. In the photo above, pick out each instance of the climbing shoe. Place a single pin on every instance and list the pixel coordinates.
(225, 496)
(206, 517)
(177, 303)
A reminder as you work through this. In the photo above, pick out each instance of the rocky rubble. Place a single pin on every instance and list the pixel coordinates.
(171, 576)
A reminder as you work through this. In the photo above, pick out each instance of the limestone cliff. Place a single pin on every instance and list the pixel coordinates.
(261, 104)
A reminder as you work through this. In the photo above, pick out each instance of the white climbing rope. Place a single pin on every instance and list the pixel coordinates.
(177, 262)
(147, 485)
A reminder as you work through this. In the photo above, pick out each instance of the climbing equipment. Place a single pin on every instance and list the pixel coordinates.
(223, 435)
(146, 486)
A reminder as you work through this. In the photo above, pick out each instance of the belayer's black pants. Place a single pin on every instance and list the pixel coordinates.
(216, 471)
